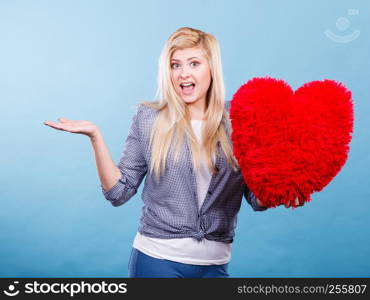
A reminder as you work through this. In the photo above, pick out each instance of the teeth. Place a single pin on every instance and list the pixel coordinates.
(186, 84)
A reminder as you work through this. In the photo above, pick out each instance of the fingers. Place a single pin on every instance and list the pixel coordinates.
(299, 202)
(294, 203)
(53, 125)
(49, 123)
(63, 122)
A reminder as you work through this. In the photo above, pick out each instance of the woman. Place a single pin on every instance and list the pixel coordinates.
(181, 143)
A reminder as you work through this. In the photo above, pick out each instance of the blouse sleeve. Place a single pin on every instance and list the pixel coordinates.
(132, 165)
(252, 200)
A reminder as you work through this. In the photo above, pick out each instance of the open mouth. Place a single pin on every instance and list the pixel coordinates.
(187, 88)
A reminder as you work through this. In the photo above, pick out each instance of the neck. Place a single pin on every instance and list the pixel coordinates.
(197, 109)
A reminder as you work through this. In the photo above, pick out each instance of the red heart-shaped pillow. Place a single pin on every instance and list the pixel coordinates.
(290, 144)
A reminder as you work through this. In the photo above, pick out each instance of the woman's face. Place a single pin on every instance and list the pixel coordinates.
(190, 74)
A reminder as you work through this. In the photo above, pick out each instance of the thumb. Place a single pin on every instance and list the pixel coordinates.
(63, 120)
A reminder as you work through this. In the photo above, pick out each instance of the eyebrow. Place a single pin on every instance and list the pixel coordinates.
(187, 59)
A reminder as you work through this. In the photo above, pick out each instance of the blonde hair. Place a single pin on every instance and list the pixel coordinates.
(173, 119)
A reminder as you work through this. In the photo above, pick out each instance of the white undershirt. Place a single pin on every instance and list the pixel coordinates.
(188, 250)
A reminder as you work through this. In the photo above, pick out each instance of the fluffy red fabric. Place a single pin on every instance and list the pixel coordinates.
(290, 144)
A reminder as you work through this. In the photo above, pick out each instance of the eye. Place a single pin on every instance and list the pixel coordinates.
(194, 63)
(175, 65)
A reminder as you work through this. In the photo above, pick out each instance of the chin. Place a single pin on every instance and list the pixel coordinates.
(189, 100)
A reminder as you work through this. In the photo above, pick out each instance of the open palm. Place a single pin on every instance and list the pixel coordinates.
(74, 126)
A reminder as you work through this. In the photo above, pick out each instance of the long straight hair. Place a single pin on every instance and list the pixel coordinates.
(173, 119)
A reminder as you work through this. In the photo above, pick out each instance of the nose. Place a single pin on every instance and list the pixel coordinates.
(184, 73)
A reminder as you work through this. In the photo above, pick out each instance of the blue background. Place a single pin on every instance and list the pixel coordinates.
(94, 60)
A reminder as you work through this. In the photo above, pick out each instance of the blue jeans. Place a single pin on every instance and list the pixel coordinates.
(144, 266)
